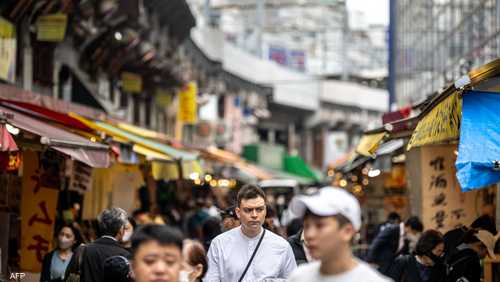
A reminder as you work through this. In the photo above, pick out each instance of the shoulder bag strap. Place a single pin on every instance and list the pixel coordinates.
(253, 255)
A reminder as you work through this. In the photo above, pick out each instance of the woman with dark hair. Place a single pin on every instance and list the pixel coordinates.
(195, 264)
(55, 263)
(425, 265)
(129, 230)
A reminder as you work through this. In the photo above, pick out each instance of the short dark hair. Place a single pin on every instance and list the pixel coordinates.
(111, 221)
(470, 236)
(485, 222)
(163, 234)
(414, 223)
(250, 191)
(428, 241)
(393, 216)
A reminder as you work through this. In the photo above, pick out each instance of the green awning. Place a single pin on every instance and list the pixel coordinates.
(296, 165)
(163, 148)
(279, 174)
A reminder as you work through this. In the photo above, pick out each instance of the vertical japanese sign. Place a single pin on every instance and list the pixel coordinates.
(38, 209)
(187, 112)
(444, 206)
(8, 47)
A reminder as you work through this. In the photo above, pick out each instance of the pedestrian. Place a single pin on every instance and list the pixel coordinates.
(300, 248)
(393, 241)
(454, 237)
(426, 265)
(332, 217)
(156, 253)
(465, 264)
(112, 224)
(117, 269)
(249, 252)
(392, 219)
(211, 228)
(55, 263)
(129, 230)
(195, 263)
(229, 219)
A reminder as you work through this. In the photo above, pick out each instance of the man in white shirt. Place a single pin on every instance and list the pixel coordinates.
(231, 253)
(332, 217)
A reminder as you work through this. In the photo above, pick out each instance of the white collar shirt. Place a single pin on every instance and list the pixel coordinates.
(401, 236)
(230, 252)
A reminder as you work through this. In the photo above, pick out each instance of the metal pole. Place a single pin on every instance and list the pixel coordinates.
(261, 10)
(392, 52)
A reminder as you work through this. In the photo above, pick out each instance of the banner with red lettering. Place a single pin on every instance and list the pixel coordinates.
(38, 211)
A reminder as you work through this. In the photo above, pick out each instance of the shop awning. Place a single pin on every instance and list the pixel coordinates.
(279, 174)
(478, 162)
(390, 147)
(170, 170)
(143, 142)
(91, 153)
(369, 143)
(143, 132)
(296, 165)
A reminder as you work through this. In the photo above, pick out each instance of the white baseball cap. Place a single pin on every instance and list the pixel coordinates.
(329, 201)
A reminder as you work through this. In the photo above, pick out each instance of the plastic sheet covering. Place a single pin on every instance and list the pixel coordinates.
(479, 147)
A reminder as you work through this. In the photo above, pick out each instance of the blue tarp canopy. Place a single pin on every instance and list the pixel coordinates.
(479, 147)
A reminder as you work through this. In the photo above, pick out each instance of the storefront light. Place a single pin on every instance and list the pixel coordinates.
(208, 178)
(224, 183)
(374, 172)
(343, 183)
(12, 130)
(194, 176)
(213, 183)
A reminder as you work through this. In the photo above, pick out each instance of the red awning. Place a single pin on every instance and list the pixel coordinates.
(79, 148)
(37, 111)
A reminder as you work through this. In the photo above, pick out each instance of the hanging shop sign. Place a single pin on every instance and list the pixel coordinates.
(187, 111)
(444, 206)
(163, 98)
(80, 178)
(38, 211)
(8, 46)
(369, 143)
(442, 123)
(478, 163)
(131, 82)
(51, 28)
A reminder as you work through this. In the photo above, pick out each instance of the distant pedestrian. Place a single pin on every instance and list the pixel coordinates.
(127, 235)
(211, 228)
(393, 241)
(112, 224)
(300, 248)
(392, 219)
(465, 264)
(426, 265)
(229, 219)
(156, 254)
(55, 263)
(249, 252)
(332, 217)
(195, 263)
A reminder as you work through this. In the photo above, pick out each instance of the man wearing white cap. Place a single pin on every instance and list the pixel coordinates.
(332, 217)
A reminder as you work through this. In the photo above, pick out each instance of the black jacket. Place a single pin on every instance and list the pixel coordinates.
(406, 269)
(466, 264)
(384, 248)
(95, 254)
(297, 248)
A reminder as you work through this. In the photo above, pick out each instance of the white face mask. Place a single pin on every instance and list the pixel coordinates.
(65, 244)
(126, 236)
(184, 276)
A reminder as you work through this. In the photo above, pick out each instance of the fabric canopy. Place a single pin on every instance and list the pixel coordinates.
(146, 133)
(79, 148)
(478, 162)
(146, 143)
(369, 143)
(296, 165)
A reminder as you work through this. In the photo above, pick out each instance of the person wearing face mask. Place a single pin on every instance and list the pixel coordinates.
(427, 263)
(55, 263)
(127, 235)
(195, 263)
(394, 241)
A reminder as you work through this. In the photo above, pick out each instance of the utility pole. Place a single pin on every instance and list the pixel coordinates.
(261, 17)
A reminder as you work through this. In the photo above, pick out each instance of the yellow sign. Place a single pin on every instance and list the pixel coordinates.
(444, 206)
(6, 29)
(131, 82)
(187, 104)
(163, 98)
(369, 143)
(51, 28)
(441, 124)
(8, 48)
(38, 212)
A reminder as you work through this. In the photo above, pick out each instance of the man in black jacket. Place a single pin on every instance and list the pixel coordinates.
(112, 227)
(393, 241)
(299, 249)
